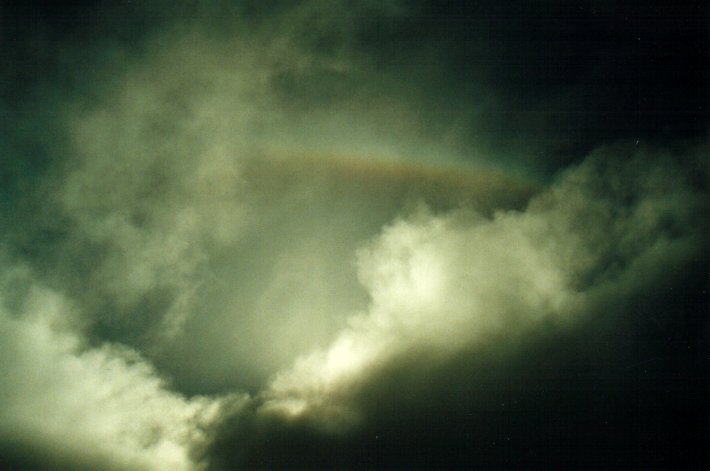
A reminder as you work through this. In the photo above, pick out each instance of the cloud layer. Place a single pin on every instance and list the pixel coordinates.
(335, 235)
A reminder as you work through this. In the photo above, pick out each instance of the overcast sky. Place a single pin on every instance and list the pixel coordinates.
(331, 234)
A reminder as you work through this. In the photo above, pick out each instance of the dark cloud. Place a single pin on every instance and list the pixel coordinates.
(563, 400)
(353, 235)
(565, 76)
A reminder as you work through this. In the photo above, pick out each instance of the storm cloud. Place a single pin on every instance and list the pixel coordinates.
(353, 235)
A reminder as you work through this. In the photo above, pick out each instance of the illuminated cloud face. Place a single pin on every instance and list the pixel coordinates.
(331, 236)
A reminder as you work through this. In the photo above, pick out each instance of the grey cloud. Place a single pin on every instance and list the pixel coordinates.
(330, 205)
(449, 286)
(191, 184)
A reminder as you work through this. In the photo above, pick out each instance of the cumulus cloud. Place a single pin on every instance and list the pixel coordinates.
(444, 282)
(344, 235)
(96, 407)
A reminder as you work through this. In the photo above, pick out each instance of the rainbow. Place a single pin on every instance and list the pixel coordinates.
(442, 185)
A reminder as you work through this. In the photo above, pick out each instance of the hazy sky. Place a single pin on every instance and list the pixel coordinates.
(396, 234)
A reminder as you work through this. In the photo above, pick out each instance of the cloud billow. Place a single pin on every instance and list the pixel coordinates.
(336, 235)
(455, 294)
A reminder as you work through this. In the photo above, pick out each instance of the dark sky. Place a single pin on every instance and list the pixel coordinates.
(354, 235)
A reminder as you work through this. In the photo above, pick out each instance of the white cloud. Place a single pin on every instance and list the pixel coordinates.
(443, 282)
(105, 407)
(204, 227)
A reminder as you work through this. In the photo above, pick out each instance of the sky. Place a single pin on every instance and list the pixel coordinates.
(333, 234)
